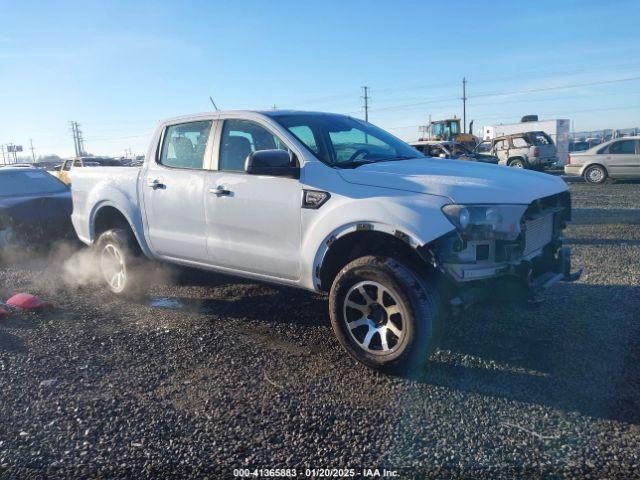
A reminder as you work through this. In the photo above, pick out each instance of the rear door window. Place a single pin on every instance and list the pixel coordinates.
(519, 142)
(623, 147)
(184, 145)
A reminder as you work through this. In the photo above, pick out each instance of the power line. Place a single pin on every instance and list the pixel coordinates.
(560, 87)
(513, 92)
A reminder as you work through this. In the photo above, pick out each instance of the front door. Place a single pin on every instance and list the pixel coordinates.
(501, 149)
(173, 187)
(253, 221)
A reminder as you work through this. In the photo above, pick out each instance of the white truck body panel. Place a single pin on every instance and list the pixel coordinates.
(557, 129)
(260, 230)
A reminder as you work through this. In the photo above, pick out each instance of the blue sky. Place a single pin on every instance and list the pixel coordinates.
(118, 67)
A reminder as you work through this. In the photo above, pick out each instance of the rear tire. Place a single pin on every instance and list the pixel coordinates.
(595, 174)
(517, 163)
(384, 314)
(118, 255)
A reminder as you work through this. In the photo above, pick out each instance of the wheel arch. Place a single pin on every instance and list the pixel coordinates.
(107, 215)
(359, 240)
(594, 164)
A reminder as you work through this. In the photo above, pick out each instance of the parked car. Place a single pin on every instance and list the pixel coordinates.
(68, 165)
(452, 150)
(533, 150)
(331, 204)
(619, 158)
(35, 207)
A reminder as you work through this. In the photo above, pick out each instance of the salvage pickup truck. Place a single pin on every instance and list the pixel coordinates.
(333, 204)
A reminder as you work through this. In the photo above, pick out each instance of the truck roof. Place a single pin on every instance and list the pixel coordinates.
(268, 113)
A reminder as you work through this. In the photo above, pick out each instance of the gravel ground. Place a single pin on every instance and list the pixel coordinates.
(211, 374)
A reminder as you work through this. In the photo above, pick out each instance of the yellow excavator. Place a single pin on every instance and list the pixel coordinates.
(449, 129)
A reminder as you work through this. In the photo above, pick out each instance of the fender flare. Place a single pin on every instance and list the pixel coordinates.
(409, 238)
(135, 226)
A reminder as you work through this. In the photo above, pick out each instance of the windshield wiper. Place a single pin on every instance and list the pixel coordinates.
(398, 157)
(363, 161)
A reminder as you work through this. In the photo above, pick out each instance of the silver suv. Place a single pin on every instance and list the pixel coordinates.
(533, 150)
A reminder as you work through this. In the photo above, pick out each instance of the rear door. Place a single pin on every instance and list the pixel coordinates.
(173, 191)
(622, 158)
(253, 221)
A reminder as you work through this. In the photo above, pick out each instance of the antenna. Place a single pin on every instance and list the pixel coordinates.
(214, 104)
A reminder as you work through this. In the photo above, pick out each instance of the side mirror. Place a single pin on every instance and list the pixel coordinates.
(275, 163)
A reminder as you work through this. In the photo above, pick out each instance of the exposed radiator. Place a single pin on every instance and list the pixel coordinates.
(539, 232)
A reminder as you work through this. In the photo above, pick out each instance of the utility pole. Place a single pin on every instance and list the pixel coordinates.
(11, 148)
(464, 105)
(366, 99)
(33, 154)
(78, 141)
(75, 137)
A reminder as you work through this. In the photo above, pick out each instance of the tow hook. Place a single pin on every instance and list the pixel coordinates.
(564, 259)
(562, 273)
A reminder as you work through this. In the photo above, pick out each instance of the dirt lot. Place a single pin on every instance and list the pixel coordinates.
(211, 374)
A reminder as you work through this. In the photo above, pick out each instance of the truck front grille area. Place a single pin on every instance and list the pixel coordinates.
(538, 232)
(560, 202)
(541, 226)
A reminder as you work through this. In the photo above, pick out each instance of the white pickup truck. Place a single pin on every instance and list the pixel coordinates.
(331, 204)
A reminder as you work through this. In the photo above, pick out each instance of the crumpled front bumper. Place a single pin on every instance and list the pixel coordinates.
(560, 273)
(531, 276)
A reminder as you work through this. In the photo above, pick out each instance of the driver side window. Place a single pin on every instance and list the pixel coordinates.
(484, 147)
(240, 138)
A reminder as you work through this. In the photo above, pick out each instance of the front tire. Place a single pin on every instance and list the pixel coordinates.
(117, 256)
(384, 314)
(595, 174)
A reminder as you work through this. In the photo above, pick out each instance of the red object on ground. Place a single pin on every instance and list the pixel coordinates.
(26, 301)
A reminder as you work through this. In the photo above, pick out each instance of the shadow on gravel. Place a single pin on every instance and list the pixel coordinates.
(600, 241)
(577, 351)
(570, 353)
(262, 306)
(10, 343)
(599, 216)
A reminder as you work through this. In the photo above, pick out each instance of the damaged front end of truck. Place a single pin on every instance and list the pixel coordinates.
(495, 247)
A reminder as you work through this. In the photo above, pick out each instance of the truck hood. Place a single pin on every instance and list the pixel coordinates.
(461, 182)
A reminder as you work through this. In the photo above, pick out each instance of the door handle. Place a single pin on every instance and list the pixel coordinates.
(155, 184)
(220, 191)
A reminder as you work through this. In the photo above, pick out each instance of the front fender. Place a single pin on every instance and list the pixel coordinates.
(415, 218)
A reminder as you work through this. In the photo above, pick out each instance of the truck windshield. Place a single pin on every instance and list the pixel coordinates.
(344, 141)
(28, 182)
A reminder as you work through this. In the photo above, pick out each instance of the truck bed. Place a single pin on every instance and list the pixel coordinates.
(93, 187)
